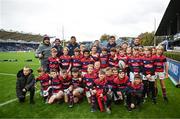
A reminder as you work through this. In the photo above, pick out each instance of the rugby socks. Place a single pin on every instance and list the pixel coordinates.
(70, 99)
(93, 101)
(164, 92)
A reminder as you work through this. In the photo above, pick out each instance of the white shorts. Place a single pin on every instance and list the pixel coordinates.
(88, 94)
(83, 73)
(79, 90)
(151, 79)
(131, 76)
(160, 75)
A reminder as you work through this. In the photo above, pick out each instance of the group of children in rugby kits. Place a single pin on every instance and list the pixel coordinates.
(126, 75)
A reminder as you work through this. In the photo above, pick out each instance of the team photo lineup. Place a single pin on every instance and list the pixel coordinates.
(117, 73)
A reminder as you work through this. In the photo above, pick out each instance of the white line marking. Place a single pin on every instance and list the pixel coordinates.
(7, 74)
(12, 100)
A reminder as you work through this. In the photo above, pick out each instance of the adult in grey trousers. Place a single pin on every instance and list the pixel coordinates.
(43, 52)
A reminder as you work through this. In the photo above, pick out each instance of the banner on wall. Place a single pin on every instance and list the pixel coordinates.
(174, 71)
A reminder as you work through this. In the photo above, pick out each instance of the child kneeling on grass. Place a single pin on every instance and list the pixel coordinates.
(45, 82)
(134, 93)
(25, 82)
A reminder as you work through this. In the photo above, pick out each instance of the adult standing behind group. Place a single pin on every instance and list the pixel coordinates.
(58, 46)
(72, 45)
(97, 45)
(43, 52)
(136, 43)
(111, 43)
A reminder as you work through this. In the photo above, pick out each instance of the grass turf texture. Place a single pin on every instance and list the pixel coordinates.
(82, 110)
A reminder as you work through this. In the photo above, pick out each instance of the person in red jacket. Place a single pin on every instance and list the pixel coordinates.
(53, 60)
(134, 93)
(161, 69)
(101, 92)
(56, 87)
(45, 82)
(104, 58)
(121, 82)
(65, 60)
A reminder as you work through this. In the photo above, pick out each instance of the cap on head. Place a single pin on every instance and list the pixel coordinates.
(46, 37)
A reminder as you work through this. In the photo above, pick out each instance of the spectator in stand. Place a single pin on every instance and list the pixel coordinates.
(111, 43)
(58, 46)
(72, 45)
(43, 52)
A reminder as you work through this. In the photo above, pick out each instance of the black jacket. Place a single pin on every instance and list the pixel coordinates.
(23, 81)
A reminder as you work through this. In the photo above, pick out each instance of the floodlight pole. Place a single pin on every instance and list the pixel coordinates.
(154, 31)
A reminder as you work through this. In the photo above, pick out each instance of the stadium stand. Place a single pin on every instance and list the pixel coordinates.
(12, 45)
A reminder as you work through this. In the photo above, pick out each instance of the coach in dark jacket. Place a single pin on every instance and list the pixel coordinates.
(72, 45)
(25, 82)
(111, 43)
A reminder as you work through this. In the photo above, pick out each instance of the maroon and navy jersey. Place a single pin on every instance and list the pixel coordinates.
(100, 84)
(76, 82)
(148, 66)
(123, 58)
(85, 62)
(110, 81)
(88, 81)
(135, 64)
(65, 61)
(113, 62)
(159, 62)
(66, 82)
(121, 83)
(96, 71)
(76, 61)
(53, 63)
(44, 80)
(135, 88)
(104, 60)
(56, 85)
(95, 57)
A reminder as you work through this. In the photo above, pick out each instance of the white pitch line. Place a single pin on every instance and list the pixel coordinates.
(12, 100)
(7, 74)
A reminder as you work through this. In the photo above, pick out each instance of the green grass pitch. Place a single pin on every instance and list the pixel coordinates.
(82, 110)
